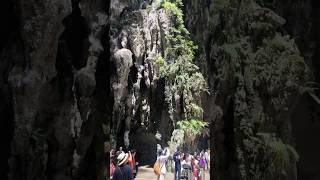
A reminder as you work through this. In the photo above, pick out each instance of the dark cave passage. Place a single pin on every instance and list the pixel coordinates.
(306, 133)
(69, 128)
(8, 35)
(303, 23)
(230, 159)
(316, 38)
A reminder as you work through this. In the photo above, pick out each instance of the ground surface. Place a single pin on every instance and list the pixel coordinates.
(146, 173)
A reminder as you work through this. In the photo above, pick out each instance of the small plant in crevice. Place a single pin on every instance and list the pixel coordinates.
(191, 129)
(159, 65)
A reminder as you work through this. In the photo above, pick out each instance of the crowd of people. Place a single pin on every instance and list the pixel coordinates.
(123, 165)
(186, 166)
(190, 166)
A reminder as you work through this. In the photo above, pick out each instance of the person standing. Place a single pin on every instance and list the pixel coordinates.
(207, 158)
(132, 162)
(177, 164)
(135, 169)
(162, 160)
(123, 171)
(112, 169)
(194, 166)
(112, 163)
(188, 159)
(202, 164)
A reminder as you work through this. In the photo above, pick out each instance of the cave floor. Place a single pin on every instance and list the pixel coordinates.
(146, 173)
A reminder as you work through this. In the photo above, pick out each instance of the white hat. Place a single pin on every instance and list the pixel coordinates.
(122, 157)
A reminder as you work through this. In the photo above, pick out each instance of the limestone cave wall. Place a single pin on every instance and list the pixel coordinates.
(244, 26)
(79, 77)
(54, 57)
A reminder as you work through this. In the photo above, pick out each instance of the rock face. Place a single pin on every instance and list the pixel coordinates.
(137, 37)
(244, 109)
(52, 89)
(79, 77)
(303, 24)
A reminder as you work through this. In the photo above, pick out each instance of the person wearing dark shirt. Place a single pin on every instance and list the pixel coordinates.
(123, 171)
(177, 164)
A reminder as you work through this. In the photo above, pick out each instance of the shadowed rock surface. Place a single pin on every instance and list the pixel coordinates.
(78, 77)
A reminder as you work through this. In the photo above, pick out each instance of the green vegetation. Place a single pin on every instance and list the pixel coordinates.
(184, 82)
(159, 65)
(279, 65)
(192, 127)
(282, 157)
(266, 72)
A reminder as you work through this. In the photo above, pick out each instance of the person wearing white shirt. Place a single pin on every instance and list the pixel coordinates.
(163, 159)
(188, 159)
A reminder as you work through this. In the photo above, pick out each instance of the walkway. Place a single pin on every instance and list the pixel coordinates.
(146, 173)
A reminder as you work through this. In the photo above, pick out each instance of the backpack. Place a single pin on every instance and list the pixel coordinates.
(156, 168)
